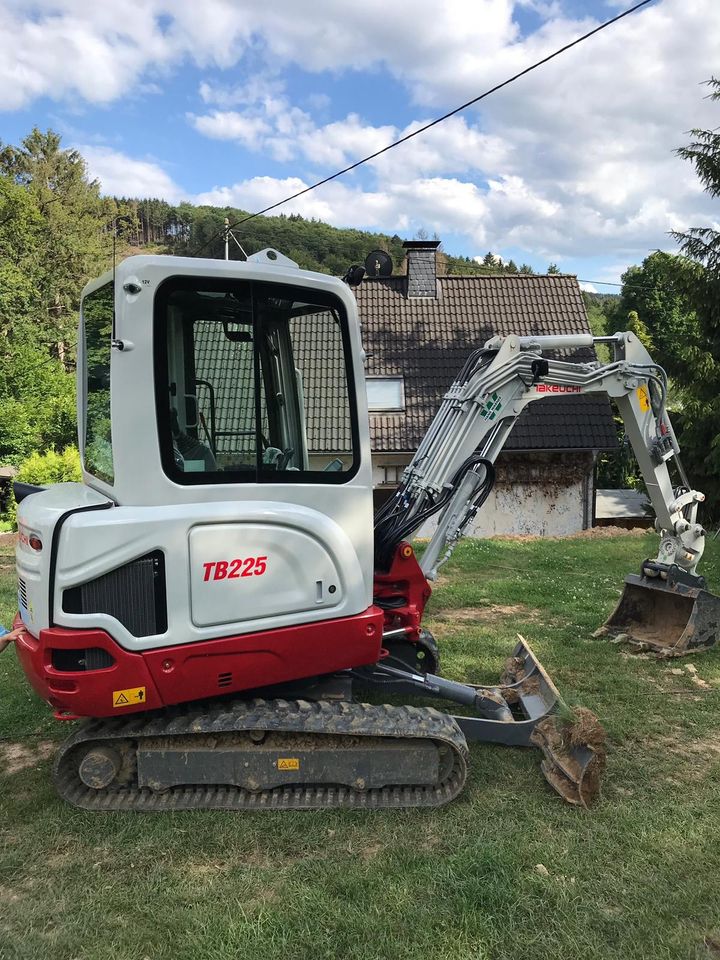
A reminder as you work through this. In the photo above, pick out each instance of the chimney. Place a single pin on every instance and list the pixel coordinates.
(421, 268)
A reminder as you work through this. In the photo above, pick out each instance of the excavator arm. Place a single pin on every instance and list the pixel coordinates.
(452, 472)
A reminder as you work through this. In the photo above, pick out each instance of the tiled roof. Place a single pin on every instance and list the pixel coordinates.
(426, 341)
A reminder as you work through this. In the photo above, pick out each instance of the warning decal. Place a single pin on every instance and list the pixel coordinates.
(130, 697)
(288, 763)
(644, 398)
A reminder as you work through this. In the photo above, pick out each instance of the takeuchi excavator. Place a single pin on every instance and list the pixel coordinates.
(215, 599)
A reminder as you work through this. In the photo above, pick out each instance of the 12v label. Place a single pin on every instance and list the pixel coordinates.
(129, 697)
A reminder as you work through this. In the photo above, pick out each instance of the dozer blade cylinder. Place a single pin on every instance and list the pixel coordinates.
(668, 618)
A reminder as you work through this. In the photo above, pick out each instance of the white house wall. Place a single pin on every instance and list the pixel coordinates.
(526, 509)
(535, 494)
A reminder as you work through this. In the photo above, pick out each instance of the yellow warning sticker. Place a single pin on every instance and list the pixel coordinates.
(130, 697)
(288, 763)
(644, 398)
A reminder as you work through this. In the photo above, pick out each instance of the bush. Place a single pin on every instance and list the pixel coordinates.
(44, 469)
(51, 467)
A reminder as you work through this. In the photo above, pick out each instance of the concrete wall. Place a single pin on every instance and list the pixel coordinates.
(544, 494)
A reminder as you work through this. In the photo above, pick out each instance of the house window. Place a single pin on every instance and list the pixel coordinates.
(392, 474)
(385, 394)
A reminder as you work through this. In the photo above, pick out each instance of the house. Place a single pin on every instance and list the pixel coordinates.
(418, 330)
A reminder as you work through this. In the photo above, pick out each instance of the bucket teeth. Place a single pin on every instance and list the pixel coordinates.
(668, 618)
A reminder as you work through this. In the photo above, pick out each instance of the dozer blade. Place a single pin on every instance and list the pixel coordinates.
(573, 747)
(666, 617)
(572, 742)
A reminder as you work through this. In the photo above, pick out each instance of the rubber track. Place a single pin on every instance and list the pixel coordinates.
(279, 716)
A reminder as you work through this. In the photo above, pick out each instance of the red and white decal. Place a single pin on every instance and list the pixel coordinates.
(556, 388)
(235, 569)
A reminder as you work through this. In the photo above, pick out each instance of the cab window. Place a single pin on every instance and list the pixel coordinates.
(97, 317)
(253, 384)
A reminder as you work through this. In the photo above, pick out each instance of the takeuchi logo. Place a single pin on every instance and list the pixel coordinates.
(556, 388)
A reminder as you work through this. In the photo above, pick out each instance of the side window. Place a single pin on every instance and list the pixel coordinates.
(317, 348)
(97, 314)
(253, 383)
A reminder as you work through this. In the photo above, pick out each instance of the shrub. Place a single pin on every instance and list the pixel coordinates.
(47, 468)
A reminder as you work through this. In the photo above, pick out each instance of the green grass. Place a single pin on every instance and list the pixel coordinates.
(636, 877)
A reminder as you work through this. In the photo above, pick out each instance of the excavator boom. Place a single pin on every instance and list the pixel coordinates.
(667, 608)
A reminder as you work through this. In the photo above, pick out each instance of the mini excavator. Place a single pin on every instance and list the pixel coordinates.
(214, 595)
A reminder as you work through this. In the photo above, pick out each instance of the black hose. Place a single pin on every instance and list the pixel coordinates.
(393, 527)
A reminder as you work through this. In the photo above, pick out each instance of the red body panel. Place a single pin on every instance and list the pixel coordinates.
(405, 585)
(198, 670)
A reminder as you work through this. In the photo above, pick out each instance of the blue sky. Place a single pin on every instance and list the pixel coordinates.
(234, 102)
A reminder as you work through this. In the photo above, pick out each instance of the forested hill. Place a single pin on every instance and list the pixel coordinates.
(188, 230)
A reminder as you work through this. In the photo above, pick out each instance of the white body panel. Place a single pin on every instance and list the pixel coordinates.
(264, 567)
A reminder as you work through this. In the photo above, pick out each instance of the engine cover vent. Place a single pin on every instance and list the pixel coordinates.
(133, 594)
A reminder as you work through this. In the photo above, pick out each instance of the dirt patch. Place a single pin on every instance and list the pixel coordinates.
(689, 671)
(371, 850)
(15, 757)
(261, 900)
(9, 895)
(586, 730)
(594, 533)
(493, 611)
(604, 533)
(696, 678)
(712, 944)
(700, 746)
(699, 754)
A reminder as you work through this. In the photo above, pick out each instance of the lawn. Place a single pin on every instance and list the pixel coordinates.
(505, 871)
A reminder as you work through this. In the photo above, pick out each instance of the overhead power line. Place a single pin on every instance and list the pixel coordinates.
(432, 123)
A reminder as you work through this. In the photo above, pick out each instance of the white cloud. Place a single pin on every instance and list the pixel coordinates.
(256, 88)
(572, 160)
(433, 203)
(124, 176)
(337, 204)
(229, 125)
(575, 160)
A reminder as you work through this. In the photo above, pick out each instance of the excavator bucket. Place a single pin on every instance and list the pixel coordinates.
(667, 617)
